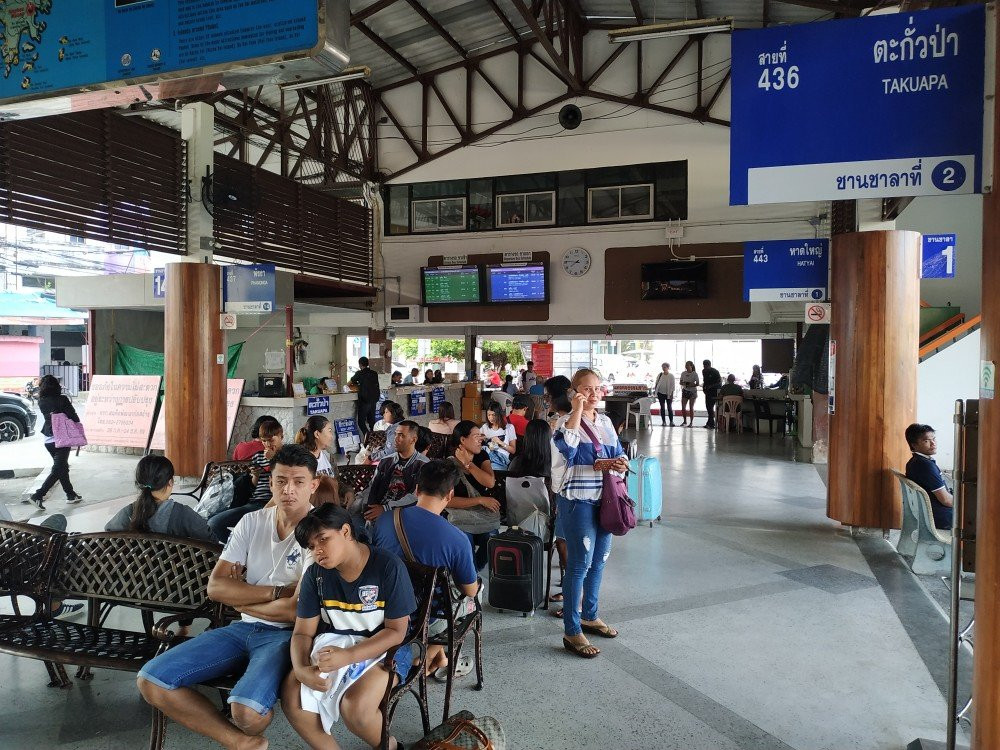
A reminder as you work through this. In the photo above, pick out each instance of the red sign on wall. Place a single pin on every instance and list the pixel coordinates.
(541, 355)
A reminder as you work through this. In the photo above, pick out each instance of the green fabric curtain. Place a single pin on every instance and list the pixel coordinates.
(132, 361)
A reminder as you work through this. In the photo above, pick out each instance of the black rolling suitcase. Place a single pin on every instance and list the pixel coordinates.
(517, 581)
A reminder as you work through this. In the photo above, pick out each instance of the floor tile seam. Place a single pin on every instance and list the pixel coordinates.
(721, 719)
(679, 522)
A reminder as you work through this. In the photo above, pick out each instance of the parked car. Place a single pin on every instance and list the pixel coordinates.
(17, 418)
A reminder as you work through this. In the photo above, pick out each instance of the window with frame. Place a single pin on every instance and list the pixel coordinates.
(526, 209)
(438, 215)
(74, 240)
(620, 203)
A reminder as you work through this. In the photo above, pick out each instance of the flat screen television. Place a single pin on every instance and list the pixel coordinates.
(516, 283)
(450, 285)
(675, 279)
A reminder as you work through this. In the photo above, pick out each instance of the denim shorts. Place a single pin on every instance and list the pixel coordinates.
(259, 651)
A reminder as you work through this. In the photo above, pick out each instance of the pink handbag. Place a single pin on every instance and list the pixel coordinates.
(68, 434)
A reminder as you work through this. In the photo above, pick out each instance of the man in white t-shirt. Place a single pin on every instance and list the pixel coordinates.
(258, 574)
(530, 378)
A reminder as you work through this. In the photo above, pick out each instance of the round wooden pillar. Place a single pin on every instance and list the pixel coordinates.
(195, 387)
(875, 326)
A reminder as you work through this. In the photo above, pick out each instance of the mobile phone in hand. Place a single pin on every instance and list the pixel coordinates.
(605, 464)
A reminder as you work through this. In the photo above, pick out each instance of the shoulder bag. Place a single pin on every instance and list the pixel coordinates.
(476, 520)
(617, 513)
(67, 433)
(463, 731)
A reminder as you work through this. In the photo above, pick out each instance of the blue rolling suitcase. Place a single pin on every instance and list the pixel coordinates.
(645, 486)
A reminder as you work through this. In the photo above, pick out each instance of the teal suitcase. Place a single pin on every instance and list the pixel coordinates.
(645, 486)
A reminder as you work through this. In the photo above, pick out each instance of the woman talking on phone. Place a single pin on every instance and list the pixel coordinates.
(585, 437)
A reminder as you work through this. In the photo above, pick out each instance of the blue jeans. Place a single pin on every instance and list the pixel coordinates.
(221, 523)
(259, 651)
(587, 549)
(480, 548)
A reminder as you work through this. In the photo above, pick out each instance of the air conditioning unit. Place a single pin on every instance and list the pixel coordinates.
(405, 314)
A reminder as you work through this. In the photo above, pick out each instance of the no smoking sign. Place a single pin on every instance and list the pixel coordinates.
(818, 312)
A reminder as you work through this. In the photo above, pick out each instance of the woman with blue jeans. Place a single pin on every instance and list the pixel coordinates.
(582, 437)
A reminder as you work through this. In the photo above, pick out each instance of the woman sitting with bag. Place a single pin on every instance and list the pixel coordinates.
(584, 436)
(499, 437)
(472, 509)
(52, 401)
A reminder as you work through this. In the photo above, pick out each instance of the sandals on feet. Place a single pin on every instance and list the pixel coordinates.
(581, 649)
(557, 613)
(556, 598)
(605, 632)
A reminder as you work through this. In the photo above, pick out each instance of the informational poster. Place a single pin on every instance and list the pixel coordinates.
(437, 398)
(938, 256)
(785, 270)
(880, 106)
(249, 289)
(542, 355)
(120, 409)
(348, 435)
(417, 403)
(234, 392)
(318, 405)
(62, 45)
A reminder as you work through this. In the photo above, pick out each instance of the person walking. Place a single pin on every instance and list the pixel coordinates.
(366, 381)
(582, 437)
(51, 400)
(689, 393)
(711, 382)
(664, 389)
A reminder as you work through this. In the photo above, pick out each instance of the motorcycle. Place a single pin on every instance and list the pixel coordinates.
(31, 390)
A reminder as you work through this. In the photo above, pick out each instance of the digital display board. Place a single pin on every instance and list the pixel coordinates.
(521, 282)
(450, 285)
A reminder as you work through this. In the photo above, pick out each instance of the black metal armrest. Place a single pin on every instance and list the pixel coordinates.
(162, 632)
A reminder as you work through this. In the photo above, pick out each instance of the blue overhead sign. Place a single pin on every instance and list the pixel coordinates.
(785, 270)
(249, 289)
(938, 258)
(880, 106)
(56, 45)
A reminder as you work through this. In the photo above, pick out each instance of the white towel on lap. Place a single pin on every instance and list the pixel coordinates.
(327, 703)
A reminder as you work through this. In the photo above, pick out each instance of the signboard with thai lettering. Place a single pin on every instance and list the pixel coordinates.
(908, 113)
(234, 392)
(119, 409)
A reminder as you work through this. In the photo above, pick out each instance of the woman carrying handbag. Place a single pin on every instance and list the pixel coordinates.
(585, 436)
(51, 402)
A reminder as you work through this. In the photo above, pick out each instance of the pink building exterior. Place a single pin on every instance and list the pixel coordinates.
(20, 357)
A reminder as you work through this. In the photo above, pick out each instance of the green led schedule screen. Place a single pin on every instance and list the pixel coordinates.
(454, 285)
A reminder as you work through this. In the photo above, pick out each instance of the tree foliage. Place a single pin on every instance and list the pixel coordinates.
(454, 348)
(404, 350)
(502, 353)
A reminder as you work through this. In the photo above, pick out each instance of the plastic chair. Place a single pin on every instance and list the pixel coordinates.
(919, 537)
(504, 399)
(731, 410)
(642, 407)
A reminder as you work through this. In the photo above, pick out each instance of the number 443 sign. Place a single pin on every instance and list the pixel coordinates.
(938, 257)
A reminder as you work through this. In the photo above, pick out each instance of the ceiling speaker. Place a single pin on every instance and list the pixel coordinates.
(570, 117)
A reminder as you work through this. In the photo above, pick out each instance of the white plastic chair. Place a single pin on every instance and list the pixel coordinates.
(642, 407)
(504, 399)
(730, 410)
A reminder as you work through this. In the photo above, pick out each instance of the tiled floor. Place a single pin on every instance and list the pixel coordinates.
(748, 620)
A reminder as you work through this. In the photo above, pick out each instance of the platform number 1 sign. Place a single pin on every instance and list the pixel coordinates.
(938, 256)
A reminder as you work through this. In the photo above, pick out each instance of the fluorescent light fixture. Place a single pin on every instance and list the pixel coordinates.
(348, 74)
(670, 28)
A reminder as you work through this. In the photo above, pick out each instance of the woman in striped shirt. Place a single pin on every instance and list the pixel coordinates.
(583, 436)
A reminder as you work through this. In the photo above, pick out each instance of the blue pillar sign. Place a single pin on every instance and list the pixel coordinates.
(786, 270)
(881, 106)
(938, 260)
(249, 289)
(159, 283)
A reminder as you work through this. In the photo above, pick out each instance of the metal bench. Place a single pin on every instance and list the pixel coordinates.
(919, 539)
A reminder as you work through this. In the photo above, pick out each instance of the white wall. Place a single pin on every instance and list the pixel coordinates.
(621, 137)
(963, 216)
(949, 375)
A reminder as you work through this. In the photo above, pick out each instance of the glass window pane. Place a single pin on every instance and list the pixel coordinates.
(399, 209)
(480, 204)
(635, 201)
(451, 213)
(425, 215)
(511, 209)
(539, 207)
(604, 203)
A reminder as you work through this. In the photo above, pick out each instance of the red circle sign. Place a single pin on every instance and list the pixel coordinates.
(816, 312)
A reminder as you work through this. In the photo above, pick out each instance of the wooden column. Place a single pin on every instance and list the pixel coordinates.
(876, 307)
(986, 655)
(195, 397)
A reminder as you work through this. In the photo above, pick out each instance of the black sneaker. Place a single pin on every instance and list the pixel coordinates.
(38, 502)
(73, 499)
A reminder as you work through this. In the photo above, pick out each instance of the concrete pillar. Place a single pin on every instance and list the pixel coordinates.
(986, 655)
(195, 387)
(876, 306)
